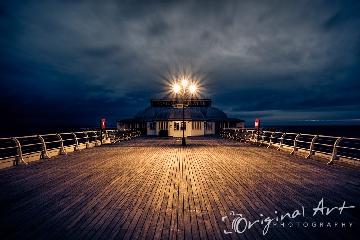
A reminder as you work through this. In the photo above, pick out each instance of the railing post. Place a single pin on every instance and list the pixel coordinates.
(87, 140)
(44, 153)
(334, 152)
(103, 137)
(253, 136)
(19, 152)
(271, 138)
(76, 143)
(312, 146)
(295, 143)
(62, 149)
(97, 142)
(262, 138)
(281, 141)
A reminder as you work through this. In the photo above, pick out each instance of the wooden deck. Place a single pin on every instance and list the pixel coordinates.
(152, 188)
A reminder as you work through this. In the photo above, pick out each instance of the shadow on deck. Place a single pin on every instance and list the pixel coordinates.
(152, 188)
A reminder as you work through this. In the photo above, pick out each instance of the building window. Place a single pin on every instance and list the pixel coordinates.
(176, 126)
(152, 126)
(183, 126)
(163, 125)
(196, 125)
(208, 126)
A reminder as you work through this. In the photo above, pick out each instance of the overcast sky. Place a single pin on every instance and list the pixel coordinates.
(73, 62)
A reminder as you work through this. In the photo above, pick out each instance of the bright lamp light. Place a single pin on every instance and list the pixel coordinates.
(192, 88)
(184, 83)
(176, 88)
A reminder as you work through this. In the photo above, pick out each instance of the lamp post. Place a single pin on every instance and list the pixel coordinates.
(183, 90)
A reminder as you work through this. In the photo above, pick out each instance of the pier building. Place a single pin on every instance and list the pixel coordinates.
(165, 117)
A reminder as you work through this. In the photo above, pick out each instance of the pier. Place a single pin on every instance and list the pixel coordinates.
(153, 188)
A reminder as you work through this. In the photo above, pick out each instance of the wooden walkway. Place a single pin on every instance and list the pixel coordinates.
(152, 188)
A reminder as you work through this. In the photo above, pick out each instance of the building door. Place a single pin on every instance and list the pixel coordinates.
(177, 129)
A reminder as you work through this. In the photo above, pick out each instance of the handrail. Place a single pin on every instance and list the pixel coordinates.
(19, 152)
(44, 153)
(47, 145)
(295, 143)
(62, 149)
(333, 146)
(76, 142)
(312, 146)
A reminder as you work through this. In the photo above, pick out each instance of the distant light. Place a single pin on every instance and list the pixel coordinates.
(192, 88)
(184, 83)
(177, 88)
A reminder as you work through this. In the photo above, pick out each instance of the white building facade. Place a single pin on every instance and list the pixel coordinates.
(163, 118)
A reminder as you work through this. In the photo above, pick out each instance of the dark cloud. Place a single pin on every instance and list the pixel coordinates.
(102, 52)
(280, 60)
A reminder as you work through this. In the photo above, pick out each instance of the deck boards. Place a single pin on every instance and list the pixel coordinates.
(152, 188)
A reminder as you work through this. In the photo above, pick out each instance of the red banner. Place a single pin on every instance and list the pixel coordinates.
(102, 124)
(257, 124)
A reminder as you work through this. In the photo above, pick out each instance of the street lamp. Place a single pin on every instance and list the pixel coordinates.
(183, 91)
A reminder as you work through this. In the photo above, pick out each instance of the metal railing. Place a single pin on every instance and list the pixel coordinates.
(331, 146)
(35, 147)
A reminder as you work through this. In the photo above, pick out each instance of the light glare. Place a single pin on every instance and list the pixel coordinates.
(192, 88)
(176, 88)
(184, 83)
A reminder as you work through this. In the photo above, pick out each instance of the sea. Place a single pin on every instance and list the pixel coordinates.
(351, 131)
(41, 130)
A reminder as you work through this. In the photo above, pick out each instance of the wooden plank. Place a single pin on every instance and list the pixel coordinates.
(152, 188)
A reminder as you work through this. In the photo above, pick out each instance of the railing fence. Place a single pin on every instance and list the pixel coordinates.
(331, 146)
(27, 148)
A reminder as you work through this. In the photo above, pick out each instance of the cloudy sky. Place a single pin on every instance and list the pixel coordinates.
(73, 62)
